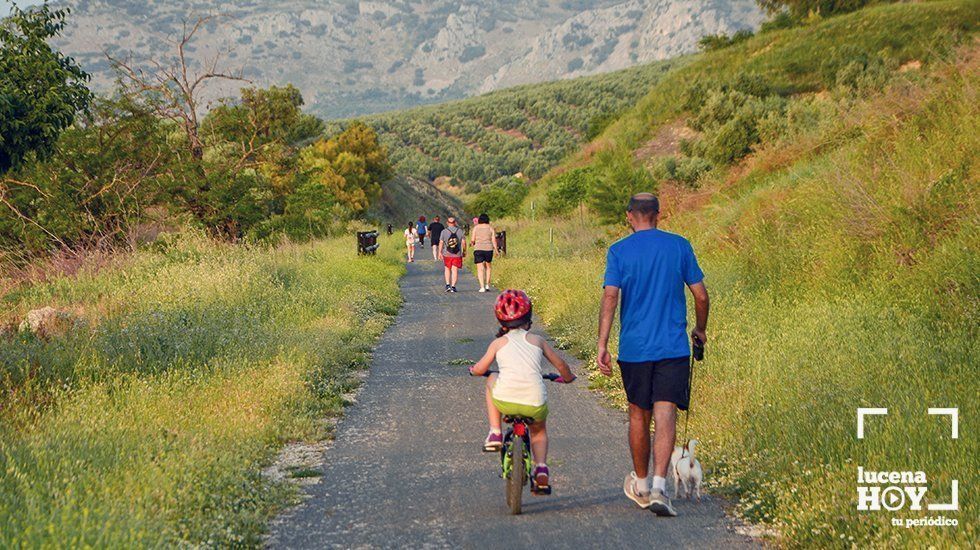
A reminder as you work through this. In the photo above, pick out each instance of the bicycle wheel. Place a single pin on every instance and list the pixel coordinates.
(515, 484)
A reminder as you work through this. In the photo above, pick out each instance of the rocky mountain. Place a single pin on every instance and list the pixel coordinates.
(353, 57)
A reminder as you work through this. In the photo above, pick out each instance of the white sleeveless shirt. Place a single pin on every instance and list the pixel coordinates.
(520, 363)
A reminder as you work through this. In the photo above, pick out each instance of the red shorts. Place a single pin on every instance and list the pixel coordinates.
(453, 262)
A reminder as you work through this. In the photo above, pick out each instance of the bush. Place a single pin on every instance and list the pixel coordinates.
(846, 66)
(751, 84)
(802, 8)
(866, 74)
(695, 95)
(711, 42)
(772, 127)
(569, 190)
(665, 168)
(499, 199)
(719, 107)
(685, 169)
(472, 52)
(730, 116)
(732, 141)
(781, 20)
(800, 116)
(617, 179)
(690, 169)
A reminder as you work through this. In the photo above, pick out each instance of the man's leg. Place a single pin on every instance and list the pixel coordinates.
(664, 437)
(455, 275)
(447, 271)
(640, 440)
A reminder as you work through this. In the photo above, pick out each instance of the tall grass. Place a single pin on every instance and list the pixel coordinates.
(149, 424)
(845, 278)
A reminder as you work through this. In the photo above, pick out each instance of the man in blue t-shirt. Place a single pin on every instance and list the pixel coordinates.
(649, 270)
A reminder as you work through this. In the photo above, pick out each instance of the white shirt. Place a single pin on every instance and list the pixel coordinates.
(520, 362)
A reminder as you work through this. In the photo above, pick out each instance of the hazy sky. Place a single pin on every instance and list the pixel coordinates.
(5, 5)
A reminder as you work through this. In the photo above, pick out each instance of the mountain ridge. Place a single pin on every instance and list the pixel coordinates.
(353, 58)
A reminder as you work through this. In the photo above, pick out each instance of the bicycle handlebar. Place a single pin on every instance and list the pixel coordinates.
(552, 376)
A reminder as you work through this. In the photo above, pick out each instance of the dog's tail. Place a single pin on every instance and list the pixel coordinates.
(690, 451)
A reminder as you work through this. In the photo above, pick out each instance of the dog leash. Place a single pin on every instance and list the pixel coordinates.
(697, 353)
(687, 413)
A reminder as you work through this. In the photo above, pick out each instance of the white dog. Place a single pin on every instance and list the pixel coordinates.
(687, 471)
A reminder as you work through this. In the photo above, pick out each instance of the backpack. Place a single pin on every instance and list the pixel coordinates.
(453, 242)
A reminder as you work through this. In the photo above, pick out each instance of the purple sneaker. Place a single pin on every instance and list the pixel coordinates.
(493, 443)
(541, 484)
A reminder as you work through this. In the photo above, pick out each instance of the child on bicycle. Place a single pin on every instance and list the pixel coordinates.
(518, 388)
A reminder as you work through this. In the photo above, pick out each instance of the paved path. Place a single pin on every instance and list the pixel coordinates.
(406, 469)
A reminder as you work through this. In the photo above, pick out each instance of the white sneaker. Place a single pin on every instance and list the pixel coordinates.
(482, 290)
(629, 488)
(660, 505)
(487, 288)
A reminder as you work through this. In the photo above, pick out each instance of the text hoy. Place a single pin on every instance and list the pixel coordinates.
(874, 495)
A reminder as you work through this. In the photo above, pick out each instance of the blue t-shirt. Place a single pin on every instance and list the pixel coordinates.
(651, 268)
(420, 227)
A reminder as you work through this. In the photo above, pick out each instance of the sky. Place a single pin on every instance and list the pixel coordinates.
(5, 5)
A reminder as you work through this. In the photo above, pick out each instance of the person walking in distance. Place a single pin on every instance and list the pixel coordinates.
(483, 238)
(420, 228)
(452, 249)
(435, 233)
(411, 236)
(647, 272)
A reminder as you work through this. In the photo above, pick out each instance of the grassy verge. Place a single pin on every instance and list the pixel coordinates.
(148, 424)
(842, 278)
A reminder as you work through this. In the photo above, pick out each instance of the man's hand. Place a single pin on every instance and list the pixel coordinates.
(700, 335)
(604, 359)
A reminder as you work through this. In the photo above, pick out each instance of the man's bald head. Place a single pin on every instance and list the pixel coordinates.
(644, 206)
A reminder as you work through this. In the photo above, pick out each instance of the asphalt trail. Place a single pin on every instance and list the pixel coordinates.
(406, 468)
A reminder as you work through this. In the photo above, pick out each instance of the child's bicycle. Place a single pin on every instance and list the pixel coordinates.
(516, 451)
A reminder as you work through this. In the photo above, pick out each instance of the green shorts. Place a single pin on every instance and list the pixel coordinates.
(538, 413)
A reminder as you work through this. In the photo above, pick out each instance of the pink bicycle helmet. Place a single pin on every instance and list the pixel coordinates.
(513, 308)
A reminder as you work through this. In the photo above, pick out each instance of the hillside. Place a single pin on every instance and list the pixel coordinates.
(352, 57)
(404, 199)
(526, 129)
(835, 214)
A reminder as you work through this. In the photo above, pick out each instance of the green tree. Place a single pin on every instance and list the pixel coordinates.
(569, 190)
(260, 118)
(351, 166)
(617, 179)
(112, 164)
(501, 198)
(41, 90)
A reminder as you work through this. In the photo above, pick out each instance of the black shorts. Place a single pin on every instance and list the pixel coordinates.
(481, 256)
(651, 381)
